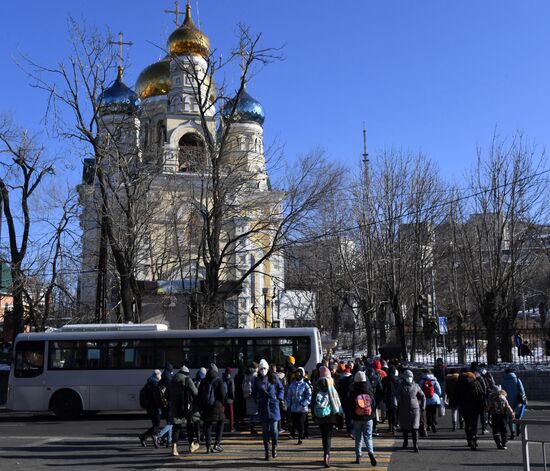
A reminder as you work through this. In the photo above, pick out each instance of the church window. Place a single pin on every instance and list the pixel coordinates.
(177, 104)
(191, 155)
(187, 104)
(178, 81)
(146, 135)
(161, 133)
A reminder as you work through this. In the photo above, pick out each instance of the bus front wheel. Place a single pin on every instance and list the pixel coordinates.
(66, 404)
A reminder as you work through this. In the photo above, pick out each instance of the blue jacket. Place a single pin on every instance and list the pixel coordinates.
(298, 396)
(267, 396)
(436, 399)
(513, 387)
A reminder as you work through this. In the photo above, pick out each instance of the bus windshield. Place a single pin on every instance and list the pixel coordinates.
(29, 359)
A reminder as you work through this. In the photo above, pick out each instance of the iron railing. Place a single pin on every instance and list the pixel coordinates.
(461, 347)
(526, 441)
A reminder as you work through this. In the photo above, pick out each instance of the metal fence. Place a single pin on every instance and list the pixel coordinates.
(465, 346)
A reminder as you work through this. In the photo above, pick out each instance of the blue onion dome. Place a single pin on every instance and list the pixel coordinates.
(154, 80)
(119, 97)
(248, 110)
(188, 39)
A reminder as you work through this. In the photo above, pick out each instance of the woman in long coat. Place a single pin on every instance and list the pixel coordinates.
(268, 392)
(411, 402)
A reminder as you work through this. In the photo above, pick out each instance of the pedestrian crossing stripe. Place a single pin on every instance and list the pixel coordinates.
(247, 453)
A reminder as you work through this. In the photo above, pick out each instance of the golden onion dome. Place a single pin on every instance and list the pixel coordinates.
(154, 80)
(188, 39)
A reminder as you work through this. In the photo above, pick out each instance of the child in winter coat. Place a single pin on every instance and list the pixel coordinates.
(500, 410)
(432, 390)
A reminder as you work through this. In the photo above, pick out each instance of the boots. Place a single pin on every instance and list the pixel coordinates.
(175, 449)
(274, 448)
(372, 459)
(326, 460)
(415, 440)
(454, 426)
(266, 450)
(405, 438)
(498, 441)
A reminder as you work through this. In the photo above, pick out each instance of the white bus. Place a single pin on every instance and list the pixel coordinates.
(103, 367)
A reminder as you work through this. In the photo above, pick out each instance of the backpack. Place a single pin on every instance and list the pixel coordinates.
(208, 399)
(363, 405)
(428, 388)
(160, 398)
(322, 407)
(144, 396)
(247, 388)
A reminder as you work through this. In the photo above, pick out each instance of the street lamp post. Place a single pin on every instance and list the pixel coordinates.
(264, 292)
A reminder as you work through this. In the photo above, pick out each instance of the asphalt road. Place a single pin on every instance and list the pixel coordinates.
(109, 442)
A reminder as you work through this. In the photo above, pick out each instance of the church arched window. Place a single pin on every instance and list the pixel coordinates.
(177, 104)
(191, 155)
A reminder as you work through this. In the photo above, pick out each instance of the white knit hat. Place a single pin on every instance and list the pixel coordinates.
(263, 364)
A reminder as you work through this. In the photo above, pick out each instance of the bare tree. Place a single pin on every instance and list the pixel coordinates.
(23, 170)
(494, 239)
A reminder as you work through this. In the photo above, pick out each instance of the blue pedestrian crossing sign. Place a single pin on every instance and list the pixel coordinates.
(442, 323)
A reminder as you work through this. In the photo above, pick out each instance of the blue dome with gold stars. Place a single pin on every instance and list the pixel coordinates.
(119, 97)
(248, 109)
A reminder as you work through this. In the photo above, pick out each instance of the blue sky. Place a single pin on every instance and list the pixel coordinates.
(436, 76)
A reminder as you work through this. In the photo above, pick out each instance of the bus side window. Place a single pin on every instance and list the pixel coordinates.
(29, 359)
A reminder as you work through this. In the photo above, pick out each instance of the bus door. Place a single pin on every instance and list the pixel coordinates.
(29, 379)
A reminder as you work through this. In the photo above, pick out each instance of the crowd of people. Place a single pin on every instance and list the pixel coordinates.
(353, 396)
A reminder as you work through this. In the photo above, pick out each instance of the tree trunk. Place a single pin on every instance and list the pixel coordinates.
(399, 326)
(381, 320)
(335, 321)
(414, 330)
(505, 343)
(367, 319)
(460, 346)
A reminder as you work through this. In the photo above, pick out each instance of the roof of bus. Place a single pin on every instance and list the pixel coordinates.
(198, 333)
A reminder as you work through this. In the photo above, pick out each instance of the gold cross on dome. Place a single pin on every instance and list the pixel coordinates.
(177, 12)
(120, 44)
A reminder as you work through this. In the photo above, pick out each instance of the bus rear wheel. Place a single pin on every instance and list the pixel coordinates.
(66, 404)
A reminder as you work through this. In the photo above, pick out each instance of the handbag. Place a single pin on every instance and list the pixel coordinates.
(441, 410)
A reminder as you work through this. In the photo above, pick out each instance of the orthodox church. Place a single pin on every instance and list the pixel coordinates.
(167, 126)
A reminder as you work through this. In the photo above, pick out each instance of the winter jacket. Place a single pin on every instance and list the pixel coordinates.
(514, 389)
(153, 394)
(327, 384)
(435, 400)
(267, 396)
(377, 366)
(344, 387)
(498, 404)
(247, 388)
(450, 384)
(180, 385)
(230, 387)
(470, 394)
(357, 390)
(440, 372)
(411, 401)
(298, 396)
(376, 384)
(212, 413)
(389, 385)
